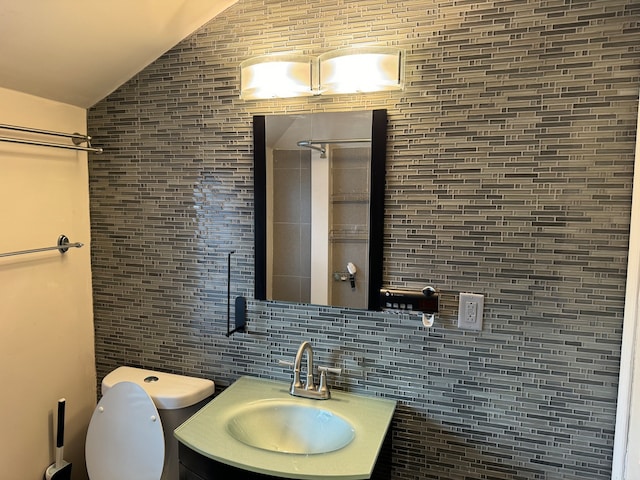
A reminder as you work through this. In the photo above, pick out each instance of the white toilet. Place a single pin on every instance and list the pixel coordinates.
(130, 436)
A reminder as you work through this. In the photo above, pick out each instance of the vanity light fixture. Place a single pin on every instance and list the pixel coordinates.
(361, 69)
(276, 76)
(348, 70)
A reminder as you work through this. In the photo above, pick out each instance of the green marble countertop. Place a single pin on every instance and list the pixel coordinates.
(206, 433)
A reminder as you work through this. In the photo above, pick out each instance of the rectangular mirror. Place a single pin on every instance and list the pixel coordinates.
(319, 207)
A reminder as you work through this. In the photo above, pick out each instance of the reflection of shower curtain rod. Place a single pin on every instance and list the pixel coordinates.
(305, 143)
(312, 144)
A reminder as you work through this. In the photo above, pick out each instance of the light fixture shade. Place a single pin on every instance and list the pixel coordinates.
(276, 76)
(361, 69)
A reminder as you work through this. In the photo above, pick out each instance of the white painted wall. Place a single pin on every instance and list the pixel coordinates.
(46, 312)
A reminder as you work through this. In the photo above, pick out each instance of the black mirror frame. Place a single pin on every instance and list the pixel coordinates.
(376, 206)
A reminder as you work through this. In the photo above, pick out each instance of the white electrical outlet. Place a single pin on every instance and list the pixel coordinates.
(470, 311)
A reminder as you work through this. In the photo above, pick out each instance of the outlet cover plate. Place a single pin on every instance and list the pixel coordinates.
(470, 310)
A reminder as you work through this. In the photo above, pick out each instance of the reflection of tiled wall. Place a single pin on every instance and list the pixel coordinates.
(509, 173)
(292, 225)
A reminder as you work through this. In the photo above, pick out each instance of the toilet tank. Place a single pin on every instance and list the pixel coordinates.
(168, 391)
(176, 397)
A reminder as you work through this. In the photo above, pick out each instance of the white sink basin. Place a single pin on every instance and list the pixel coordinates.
(287, 427)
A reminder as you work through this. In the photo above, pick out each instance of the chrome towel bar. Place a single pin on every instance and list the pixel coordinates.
(76, 138)
(62, 246)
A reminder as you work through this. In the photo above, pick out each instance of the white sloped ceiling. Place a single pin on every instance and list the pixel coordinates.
(79, 51)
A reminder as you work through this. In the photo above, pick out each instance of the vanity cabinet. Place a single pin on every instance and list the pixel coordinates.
(194, 466)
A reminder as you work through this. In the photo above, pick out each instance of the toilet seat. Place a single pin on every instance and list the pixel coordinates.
(125, 440)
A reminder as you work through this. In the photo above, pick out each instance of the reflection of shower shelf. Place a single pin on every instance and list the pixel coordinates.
(351, 235)
(350, 197)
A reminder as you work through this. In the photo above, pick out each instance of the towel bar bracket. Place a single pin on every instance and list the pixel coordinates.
(63, 240)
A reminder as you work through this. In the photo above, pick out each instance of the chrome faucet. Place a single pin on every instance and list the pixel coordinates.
(309, 389)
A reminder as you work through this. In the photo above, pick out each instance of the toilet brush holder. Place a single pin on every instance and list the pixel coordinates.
(60, 469)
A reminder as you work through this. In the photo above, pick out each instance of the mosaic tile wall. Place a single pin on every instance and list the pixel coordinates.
(509, 173)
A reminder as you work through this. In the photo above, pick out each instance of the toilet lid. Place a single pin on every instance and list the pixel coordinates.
(125, 439)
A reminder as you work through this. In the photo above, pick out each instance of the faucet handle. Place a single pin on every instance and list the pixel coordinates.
(336, 371)
(323, 388)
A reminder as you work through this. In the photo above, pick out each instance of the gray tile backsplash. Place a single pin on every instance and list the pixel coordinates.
(509, 172)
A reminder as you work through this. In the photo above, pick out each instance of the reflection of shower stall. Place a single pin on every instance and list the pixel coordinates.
(289, 225)
(326, 206)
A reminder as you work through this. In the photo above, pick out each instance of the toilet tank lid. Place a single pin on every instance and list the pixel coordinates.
(168, 391)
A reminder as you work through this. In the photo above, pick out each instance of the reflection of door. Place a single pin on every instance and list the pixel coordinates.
(626, 454)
